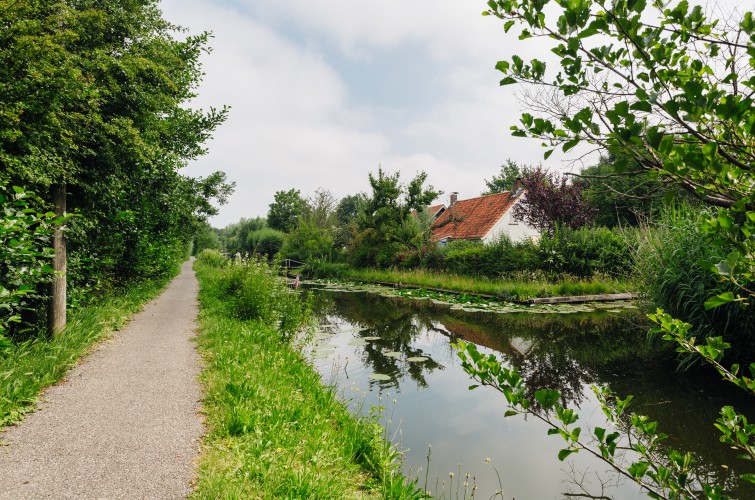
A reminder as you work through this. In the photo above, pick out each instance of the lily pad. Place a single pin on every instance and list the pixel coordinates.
(392, 354)
(372, 338)
(358, 342)
(379, 376)
(417, 359)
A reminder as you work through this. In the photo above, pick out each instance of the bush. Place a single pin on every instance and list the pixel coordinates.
(257, 292)
(266, 241)
(669, 261)
(212, 258)
(587, 251)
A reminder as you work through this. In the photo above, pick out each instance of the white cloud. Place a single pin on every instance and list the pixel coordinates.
(305, 117)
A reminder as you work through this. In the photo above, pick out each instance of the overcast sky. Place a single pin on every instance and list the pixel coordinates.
(323, 91)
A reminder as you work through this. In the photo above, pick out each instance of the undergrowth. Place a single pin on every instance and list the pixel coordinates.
(274, 431)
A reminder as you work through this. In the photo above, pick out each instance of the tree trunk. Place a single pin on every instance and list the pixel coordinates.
(56, 309)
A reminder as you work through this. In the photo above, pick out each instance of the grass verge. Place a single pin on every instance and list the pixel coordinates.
(274, 431)
(519, 289)
(27, 368)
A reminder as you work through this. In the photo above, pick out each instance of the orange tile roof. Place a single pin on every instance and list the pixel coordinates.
(433, 210)
(473, 218)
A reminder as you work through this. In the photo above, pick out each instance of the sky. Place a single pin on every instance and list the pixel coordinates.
(323, 92)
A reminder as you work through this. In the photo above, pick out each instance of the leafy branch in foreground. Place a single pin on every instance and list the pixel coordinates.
(734, 427)
(660, 472)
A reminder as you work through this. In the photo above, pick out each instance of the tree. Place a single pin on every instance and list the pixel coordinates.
(664, 88)
(379, 237)
(552, 200)
(627, 198)
(504, 181)
(93, 105)
(670, 91)
(285, 211)
(205, 238)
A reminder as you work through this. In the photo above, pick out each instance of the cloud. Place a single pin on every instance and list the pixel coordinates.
(322, 92)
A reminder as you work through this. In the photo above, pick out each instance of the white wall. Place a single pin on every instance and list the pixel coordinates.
(516, 230)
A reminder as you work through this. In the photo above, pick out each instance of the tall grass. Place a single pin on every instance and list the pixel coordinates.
(668, 263)
(274, 431)
(520, 286)
(27, 367)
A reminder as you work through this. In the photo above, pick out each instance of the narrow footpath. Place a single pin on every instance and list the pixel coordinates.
(125, 423)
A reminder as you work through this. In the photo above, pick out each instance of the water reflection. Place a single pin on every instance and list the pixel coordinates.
(567, 353)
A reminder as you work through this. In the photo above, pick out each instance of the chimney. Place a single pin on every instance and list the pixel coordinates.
(517, 187)
(454, 199)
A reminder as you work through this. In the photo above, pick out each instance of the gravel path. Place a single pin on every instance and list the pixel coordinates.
(125, 422)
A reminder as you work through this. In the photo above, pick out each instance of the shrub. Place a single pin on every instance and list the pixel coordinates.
(668, 262)
(212, 258)
(587, 251)
(266, 241)
(257, 292)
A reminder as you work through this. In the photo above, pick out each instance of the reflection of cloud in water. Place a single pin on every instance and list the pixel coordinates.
(564, 352)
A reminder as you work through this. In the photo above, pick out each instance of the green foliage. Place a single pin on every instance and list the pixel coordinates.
(659, 471)
(205, 238)
(26, 230)
(663, 88)
(587, 252)
(668, 262)
(212, 258)
(627, 197)
(235, 237)
(504, 181)
(94, 97)
(267, 241)
(274, 430)
(285, 211)
(255, 291)
(307, 241)
(734, 427)
(382, 229)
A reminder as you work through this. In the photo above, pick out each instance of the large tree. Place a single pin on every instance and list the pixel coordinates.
(381, 225)
(93, 108)
(661, 85)
(286, 210)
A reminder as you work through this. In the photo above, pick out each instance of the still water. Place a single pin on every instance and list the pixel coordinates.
(396, 353)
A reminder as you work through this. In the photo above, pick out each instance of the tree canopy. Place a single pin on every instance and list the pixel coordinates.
(661, 85)
(94, 97)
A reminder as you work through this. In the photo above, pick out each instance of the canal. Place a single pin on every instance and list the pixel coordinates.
(395, 352)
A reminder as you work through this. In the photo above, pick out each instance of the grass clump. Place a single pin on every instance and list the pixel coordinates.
(27, 367)
(274, 431)
(520, 287)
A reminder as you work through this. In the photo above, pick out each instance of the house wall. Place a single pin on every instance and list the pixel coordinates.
(516, 230)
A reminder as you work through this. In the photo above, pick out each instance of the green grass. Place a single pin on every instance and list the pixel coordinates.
(274, 431)
(518, 288)
(28, 367)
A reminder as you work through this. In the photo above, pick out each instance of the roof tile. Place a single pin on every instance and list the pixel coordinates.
(473, 218)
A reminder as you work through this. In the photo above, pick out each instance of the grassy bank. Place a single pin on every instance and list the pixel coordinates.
(28, 367)
(519, 289)
(274, 431)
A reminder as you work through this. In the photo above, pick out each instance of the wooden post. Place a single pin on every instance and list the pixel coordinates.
(56, 307)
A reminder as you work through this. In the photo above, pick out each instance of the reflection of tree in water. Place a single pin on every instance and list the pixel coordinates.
(555, 370)
(395, 321)
(568, 353)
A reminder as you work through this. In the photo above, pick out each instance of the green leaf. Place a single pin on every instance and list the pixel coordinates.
(719, 300)
(709, 150)
(565, 453)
